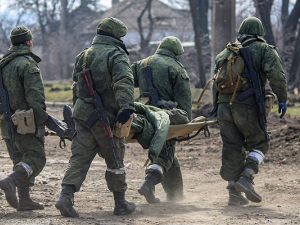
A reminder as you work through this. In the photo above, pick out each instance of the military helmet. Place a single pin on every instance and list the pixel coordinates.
(113, 26)
(252, 25)
(20, 34)
(173, 44)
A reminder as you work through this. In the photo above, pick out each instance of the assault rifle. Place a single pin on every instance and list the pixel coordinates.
(5, 108)
(259, 96)
(152, 90)
(99, 111)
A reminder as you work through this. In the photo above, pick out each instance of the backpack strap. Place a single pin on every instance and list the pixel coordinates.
(146, 61)
(231, 60)
(236, 85)
(84, 59)
(204, 90)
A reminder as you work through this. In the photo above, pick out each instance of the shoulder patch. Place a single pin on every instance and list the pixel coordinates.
(184, 75)
(34, 70)
(272, 46)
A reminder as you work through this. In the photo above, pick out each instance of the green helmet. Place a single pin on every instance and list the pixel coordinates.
(252, 25)
(112, 26)
(173, 44)
(20, 34)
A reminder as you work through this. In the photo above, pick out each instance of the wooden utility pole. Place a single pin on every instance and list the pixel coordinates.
(197, 32)
(223, 27)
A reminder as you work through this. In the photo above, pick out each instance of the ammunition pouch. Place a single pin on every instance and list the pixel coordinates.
(24, 120)
(269, 102)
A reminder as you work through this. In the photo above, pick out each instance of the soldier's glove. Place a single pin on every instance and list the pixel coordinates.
(124, 116)
(41, 132)
(282, 108)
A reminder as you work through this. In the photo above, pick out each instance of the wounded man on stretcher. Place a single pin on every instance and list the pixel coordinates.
(153, 126)
(150, 127)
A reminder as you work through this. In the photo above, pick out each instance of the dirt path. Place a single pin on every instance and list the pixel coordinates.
(206, 194)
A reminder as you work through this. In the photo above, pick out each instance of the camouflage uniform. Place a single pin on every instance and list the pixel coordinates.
(240, 123)
(23, 81)
(173, 84)
(113, 81)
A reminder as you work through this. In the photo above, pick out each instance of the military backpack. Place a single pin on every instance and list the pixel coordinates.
(228, 79)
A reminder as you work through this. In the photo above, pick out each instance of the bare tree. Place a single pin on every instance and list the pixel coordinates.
(203, 20)
(294, 76)
(195, 17)
(146, 40)
(264, 9)
(289, 29)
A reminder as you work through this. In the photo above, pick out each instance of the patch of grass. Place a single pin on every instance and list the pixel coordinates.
(58, 91)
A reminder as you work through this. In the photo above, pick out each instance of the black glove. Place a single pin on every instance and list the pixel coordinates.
(124, 116)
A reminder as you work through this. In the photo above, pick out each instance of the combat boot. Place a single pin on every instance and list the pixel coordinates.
(236, 198)
(9, 184)
(65, 202)
(25, 202)
(67, 114)
(122, 207)
(148, 187)
(244, 184)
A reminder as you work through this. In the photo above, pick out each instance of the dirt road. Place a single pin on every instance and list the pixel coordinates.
(278, 182)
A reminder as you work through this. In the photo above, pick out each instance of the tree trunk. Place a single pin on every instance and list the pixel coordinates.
(284, 11)
(197, 31)
(289, 35)
(223, 28)
(203, 20)
(146, 40)
(295, 68)
(64, 68)
(264, 8)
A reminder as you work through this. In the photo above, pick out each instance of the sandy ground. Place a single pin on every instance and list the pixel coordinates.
(278, 182)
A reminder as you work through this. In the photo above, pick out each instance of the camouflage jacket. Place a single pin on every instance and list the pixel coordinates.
(169, 78)
(111, 74)
(266, 62)
(23, 81)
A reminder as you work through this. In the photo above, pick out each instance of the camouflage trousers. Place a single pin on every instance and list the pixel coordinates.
(241, 130)
(86, 144)
(171, 180)
(30, 150)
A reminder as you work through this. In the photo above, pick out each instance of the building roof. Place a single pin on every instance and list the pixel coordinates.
(129, 10)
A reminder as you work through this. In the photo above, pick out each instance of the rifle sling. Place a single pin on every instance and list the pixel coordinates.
(84, 60)
(1, 108)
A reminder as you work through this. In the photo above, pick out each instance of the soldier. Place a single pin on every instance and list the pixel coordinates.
(240, 123)
(23, 81)
(173, 85)
(109, 66)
